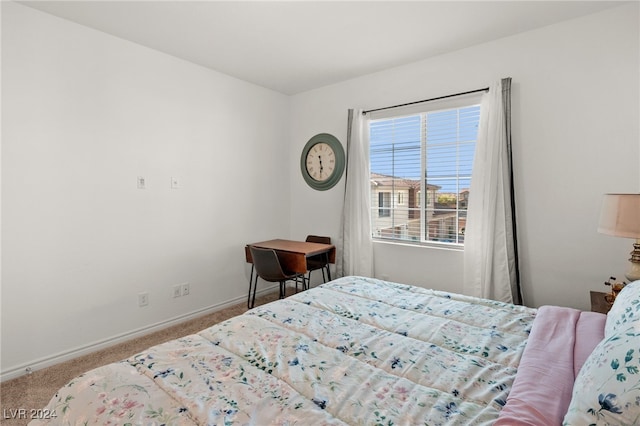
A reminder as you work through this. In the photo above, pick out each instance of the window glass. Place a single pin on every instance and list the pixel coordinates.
(421, 174)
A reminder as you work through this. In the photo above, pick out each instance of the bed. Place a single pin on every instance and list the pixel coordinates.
(364, 351)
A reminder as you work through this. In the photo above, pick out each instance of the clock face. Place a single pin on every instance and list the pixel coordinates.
(321, 162)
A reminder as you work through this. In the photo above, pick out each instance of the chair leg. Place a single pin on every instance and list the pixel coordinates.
(329, 272)
(250, 286)
(282, 289)
(304, 282)
(255, 288)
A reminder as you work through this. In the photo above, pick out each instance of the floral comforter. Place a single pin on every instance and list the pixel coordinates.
(352, 351)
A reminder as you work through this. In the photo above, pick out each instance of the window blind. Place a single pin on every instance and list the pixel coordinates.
(421, 166)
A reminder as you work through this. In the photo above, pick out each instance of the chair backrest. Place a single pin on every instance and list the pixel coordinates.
(267, 264)
(318, 239)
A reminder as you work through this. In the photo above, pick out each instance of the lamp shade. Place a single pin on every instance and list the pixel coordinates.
(620, 215)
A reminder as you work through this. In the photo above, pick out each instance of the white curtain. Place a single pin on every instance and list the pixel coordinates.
(490, 257)
(355, 246)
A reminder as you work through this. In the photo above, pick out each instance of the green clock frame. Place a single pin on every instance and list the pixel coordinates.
(338, 151)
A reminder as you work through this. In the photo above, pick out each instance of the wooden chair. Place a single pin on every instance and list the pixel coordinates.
(267, 266)
(320, 261)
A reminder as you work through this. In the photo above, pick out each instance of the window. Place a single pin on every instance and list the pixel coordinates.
(437, 144)
(384, 204)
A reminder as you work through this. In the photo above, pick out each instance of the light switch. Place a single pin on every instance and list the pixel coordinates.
(141, 182)
(175, 183)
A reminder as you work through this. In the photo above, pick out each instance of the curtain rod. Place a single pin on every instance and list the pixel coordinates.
(427, 100)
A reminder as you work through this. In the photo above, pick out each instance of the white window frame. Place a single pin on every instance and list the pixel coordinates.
(424, 197)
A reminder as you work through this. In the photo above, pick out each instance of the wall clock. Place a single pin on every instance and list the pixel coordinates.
(322, 161)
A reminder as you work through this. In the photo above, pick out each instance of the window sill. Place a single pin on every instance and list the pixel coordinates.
(436, 246)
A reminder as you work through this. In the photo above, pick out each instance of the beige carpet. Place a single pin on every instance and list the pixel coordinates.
(35, 390)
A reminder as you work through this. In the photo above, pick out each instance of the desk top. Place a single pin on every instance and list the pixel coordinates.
(297, 248)
(302, 247)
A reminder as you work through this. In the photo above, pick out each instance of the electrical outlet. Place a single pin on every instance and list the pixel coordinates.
(143, 299)
(141, 182)
(175, 182)
(177, 290)
(185, 289)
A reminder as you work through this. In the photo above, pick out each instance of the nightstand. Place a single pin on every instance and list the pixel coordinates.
(598, 302)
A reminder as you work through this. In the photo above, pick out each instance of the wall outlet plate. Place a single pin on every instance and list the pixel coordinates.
(142, 184)
(143, 299)
(177, 290)
(186, 289)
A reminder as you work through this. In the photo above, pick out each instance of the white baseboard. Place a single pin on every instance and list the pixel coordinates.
(51, 360)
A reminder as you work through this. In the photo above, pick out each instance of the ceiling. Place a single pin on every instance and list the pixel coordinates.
(295, 46)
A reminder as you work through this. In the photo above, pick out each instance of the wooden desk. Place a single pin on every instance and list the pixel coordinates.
(293, 254)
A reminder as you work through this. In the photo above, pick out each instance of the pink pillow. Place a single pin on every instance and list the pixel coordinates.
(589, 332)
(541, 392)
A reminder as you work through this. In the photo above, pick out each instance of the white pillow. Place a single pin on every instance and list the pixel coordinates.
(625, 310)
(607, 389)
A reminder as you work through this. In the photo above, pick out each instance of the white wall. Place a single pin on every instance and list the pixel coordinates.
(576, 136)
(83, 115)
